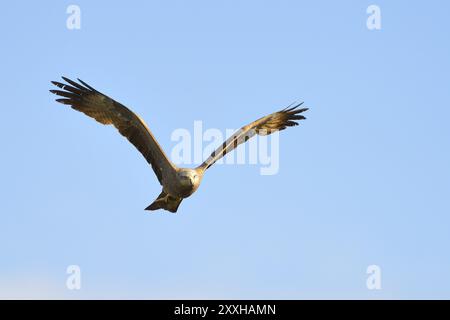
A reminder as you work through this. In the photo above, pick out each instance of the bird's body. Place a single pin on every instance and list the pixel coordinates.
(175, 188)
(177, 183)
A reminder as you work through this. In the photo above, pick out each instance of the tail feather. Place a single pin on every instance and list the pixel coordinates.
(166, 202)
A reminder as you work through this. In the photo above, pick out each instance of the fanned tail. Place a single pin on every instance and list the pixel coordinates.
(166, 202)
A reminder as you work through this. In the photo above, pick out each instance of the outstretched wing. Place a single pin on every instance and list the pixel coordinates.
(273, 122)
(105, 110)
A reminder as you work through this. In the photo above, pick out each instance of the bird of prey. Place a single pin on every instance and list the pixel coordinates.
(177, 183)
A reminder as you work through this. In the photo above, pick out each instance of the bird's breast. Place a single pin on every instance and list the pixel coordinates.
(180, 188)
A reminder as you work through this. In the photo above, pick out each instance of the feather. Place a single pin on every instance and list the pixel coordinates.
(276, 121)
(105, 110)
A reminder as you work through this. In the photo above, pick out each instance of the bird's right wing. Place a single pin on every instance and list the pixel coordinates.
(105, 110)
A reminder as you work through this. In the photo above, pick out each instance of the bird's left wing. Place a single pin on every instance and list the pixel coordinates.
(105, 110)
(266, 125)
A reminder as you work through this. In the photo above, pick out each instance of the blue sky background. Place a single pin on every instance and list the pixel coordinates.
(365, 180)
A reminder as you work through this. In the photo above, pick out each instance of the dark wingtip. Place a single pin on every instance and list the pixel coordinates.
(294, 108)
(85, 84)
(58, 84)
(63, 101)
(301, 110)
(293, 114)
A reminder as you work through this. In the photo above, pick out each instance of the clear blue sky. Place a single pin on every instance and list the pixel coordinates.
(365, 180)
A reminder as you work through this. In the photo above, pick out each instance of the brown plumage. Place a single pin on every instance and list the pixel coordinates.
(276, 121)
(178, 183)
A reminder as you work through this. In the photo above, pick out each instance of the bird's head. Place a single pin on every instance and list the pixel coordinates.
(189, 178)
